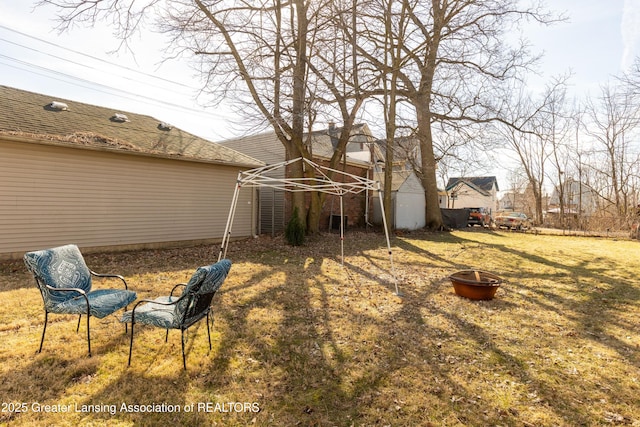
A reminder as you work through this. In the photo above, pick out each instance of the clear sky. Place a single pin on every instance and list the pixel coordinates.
(600, 39)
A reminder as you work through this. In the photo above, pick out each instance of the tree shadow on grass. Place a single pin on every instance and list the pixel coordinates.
(315, 345)
(595, 298)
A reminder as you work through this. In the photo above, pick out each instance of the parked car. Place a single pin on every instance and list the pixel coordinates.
(479, 216)
(512, 220)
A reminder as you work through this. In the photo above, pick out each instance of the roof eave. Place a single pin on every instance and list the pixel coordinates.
(350, 162)
(111, 149)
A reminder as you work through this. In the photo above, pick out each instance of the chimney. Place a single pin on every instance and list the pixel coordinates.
(332, 134)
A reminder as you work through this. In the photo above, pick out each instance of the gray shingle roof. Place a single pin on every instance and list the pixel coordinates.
(322, 144)
(30, 115)
(483, 183)
(324, 140)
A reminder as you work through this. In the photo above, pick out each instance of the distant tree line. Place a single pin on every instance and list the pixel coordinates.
(592, 141)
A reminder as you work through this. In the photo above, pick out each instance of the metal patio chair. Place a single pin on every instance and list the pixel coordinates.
(65, 283)
(181, 312)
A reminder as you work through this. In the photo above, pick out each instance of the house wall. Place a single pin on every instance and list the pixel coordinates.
(469, 198)
(443, 200)
(270, 150)
(53, 195)
(354, 205)
(577, 197)
(376, 212)
(275, 205)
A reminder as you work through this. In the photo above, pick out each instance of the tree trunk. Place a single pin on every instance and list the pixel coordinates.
(433, 216)
(298, 100)
(295, 170)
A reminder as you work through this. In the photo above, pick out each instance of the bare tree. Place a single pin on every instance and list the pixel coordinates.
(380, 41)
(516, 194)
(454, 57)
(578, 161)
(555, 123)
(392, 57)
(525, 142)
(613, 120)
(279, 60)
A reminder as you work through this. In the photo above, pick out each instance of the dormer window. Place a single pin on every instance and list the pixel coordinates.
(164, 126)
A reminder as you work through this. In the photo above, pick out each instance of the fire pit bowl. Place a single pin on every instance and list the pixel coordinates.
(475, 284)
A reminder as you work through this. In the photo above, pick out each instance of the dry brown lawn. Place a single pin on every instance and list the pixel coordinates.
(299, 339)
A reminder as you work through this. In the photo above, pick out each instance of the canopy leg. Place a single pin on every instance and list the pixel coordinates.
(342, 230)
(386, 234)
(227, 230)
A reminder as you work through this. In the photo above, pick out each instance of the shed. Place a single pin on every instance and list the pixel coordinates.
(109, 180)
(408, 204)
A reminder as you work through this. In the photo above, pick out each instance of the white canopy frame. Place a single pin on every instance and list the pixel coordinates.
(320, 182)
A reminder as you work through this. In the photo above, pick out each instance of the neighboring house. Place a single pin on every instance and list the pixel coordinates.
(578, 199)
(103, 179)
(474, 192)
(511, 201)
(274, 205)
(518, 202)
(407, 201)
(406, 153)
(522, 201)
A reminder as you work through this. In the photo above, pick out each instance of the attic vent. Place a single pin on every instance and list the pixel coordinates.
(119, 117)
(164, 126)
(57, 106)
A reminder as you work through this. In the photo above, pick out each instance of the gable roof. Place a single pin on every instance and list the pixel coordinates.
(322, 144)
(482, 184)
(324, 141)
(51, 120)
(398, 178)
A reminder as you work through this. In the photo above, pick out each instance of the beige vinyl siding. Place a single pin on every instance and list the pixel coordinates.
(52, 195)
(267, 148)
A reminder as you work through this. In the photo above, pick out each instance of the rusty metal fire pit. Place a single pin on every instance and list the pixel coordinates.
(475, 284)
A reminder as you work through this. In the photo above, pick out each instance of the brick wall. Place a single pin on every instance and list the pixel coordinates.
(353, 204)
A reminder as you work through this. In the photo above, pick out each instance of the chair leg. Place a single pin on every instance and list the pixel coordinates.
(184, 359)
(88, 335)
(126, 324)
(208, 331)
(130, 344)
(166, 337)
(46, 315)
(78, 327)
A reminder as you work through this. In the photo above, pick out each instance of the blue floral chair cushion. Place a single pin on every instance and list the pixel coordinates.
(64, 268)
(181, 312)
(173, 312)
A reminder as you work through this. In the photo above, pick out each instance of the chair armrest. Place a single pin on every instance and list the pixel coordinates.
(154, 302)
(78, 290)
(176, 287)
(140, 301)
(115, 276)
(82, 293)
(133, 311)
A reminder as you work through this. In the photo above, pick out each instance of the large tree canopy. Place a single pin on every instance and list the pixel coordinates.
(438, 64)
